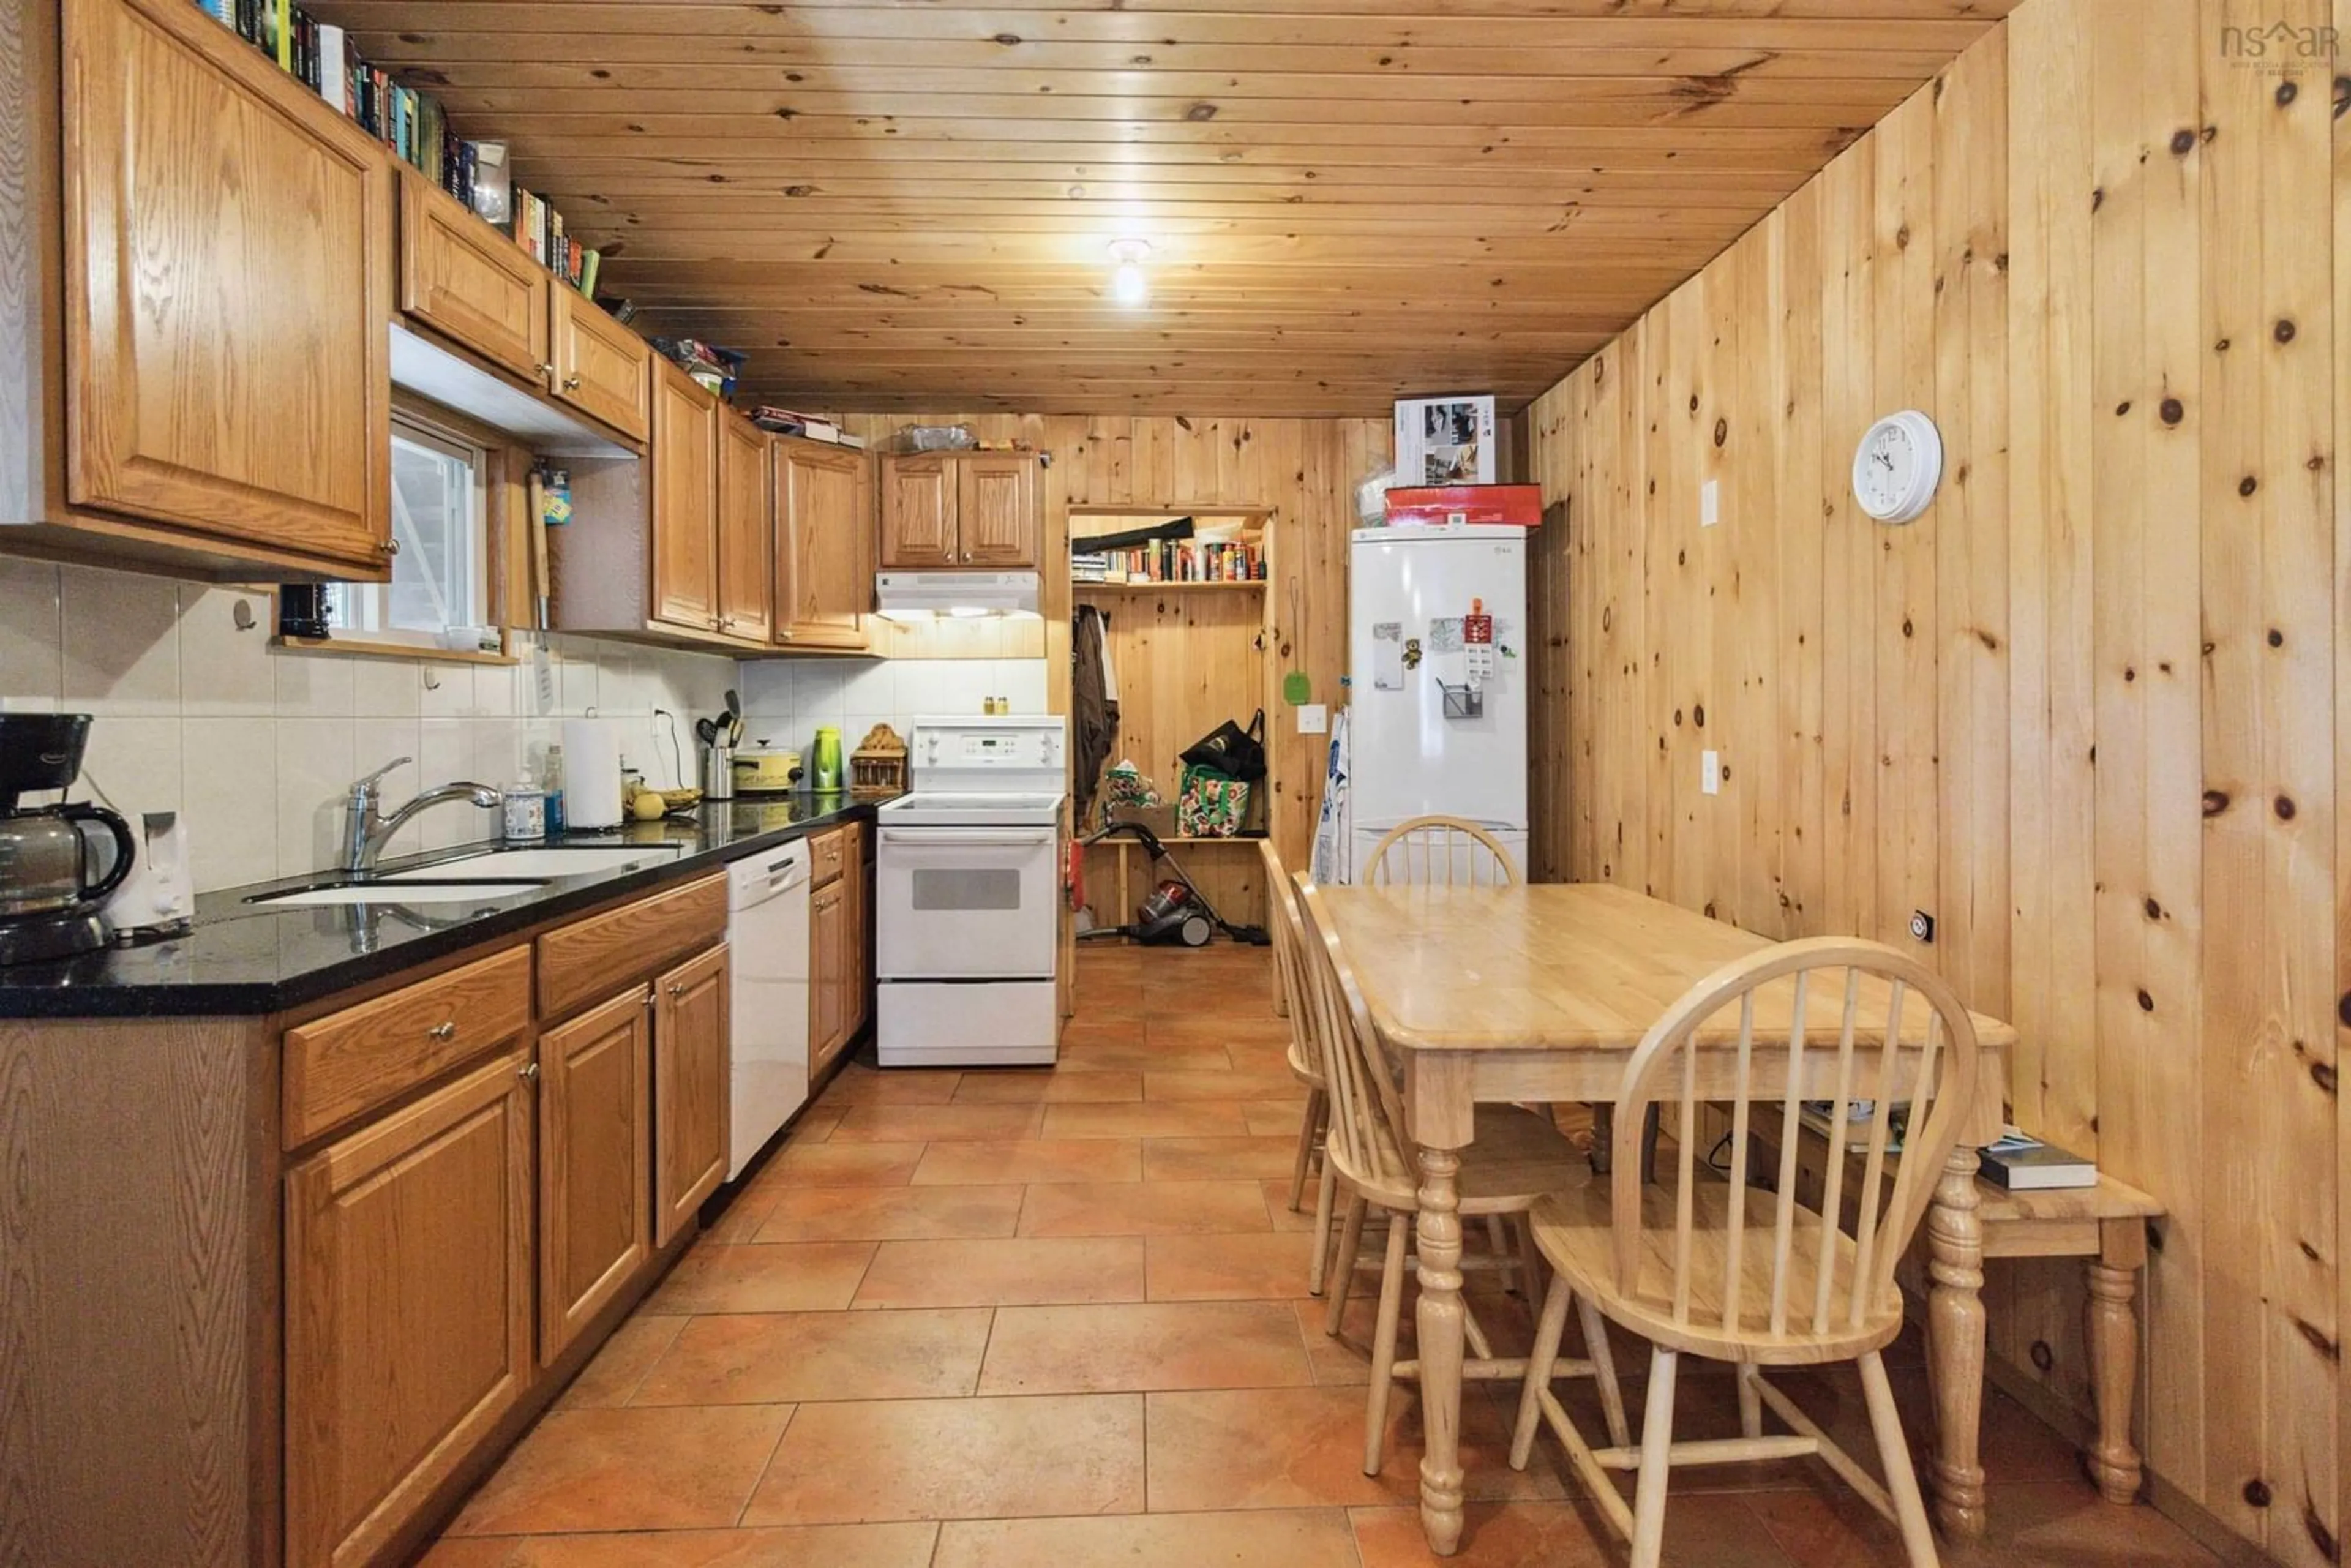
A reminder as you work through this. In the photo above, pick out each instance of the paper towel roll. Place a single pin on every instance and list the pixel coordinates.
(591, 773)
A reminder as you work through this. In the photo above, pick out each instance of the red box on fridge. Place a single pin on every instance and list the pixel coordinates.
(1440, 506)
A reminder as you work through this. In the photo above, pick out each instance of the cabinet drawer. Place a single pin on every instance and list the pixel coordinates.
(350, 1061)
(828, 852)
(593, 958)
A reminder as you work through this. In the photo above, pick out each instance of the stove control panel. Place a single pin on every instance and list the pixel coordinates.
(996, 750)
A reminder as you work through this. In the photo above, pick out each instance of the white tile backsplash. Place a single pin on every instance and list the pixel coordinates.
(228, 792)
(32, 636)
(121, 643)
(224, 670)
(258, 746)
(316, 764)
(787, 701)
(387, 688)
(313, 685)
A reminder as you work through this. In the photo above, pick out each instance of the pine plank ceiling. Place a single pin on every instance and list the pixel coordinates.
(900, 207)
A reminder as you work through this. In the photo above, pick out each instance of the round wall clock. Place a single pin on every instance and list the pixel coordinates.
(1897, 466)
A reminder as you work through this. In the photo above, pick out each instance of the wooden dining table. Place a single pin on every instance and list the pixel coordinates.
(1540, 993)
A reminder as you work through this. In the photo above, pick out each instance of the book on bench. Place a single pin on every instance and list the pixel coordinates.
(2024, 1164)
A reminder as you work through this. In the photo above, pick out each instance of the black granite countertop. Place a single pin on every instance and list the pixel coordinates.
(247, 957)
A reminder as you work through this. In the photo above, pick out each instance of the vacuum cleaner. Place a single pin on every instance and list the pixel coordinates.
(1176, 912)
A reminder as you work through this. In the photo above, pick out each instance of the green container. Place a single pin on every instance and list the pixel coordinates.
(824, 760)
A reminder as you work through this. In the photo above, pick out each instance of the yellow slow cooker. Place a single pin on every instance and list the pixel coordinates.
(765, 772)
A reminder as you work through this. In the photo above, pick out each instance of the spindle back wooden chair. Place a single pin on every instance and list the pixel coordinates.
(1305, 1057)
(1443, 852)
(1515, 1157)
(1738, 1272)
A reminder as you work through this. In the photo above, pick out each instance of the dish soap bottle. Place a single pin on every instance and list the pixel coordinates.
(824, 769)
(553, 785)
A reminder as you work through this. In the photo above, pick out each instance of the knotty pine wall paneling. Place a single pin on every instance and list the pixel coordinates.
(2084, 711)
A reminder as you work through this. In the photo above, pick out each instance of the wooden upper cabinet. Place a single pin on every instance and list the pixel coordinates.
(996, 509)
(958, 510)
(469, 282)
(692, 1117)
(747, 546)
(228, 286)
(918, 513)
(685, 458)
(824, 519)
(600, 364)
(408, 1309)
(595, 1164)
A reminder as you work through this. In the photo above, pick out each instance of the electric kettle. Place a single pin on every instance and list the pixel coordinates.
(58, 863)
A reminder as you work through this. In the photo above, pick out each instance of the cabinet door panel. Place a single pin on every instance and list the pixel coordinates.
(408, 1281)
(745, 530)
(996, 509)
(595, 1164)
(918, 513)
(823, 523)
(686, 501)
(690, 1115)
(464, 277)
(600, 364)
(228, 287)
(827, 965)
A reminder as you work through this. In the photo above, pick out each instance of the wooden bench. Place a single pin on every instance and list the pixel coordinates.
(2106, 1227)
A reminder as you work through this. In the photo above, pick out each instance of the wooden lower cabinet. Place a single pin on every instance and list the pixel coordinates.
(840, 950)
(691, 1110)
(595, 1164)
(408, 1311)
(828, 963)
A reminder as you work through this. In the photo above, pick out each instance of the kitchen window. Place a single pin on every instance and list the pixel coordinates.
(441, 571)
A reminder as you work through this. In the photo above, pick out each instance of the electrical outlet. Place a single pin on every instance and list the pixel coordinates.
(1710, 503)
(1709, 772)
(1313, 718)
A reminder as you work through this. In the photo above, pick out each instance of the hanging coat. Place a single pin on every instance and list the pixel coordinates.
(1093, 700)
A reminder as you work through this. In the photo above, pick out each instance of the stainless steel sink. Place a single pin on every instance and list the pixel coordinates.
(538, 862)
(408, 892)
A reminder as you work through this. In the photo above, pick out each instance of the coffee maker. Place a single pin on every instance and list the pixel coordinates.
(58, 863)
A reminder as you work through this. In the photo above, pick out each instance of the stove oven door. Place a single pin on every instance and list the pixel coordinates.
(964, 903)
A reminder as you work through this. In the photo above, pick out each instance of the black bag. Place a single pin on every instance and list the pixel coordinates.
(1235, 752)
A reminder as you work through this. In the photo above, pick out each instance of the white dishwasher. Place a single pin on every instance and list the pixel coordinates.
(768, 944)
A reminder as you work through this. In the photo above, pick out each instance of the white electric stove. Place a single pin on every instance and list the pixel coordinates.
(967, 895)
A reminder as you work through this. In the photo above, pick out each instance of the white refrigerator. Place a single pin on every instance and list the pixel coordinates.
(1437, 683)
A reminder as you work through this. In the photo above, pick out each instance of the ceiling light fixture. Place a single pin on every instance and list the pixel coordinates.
(1128, 285)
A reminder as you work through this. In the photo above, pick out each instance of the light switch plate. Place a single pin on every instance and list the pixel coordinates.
(1313, 718)
(1709, 772)
(1710, 503)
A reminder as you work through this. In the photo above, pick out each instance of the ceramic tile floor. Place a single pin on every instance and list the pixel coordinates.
(1010, 1318)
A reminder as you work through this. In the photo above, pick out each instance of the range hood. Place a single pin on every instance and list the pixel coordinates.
(928, 595)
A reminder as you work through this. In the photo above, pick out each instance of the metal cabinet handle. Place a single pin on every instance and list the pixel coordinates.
(677, 988)
(571, 383)
(444, 1030)
(543, 368)
(527, 1072)
(388, 547)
